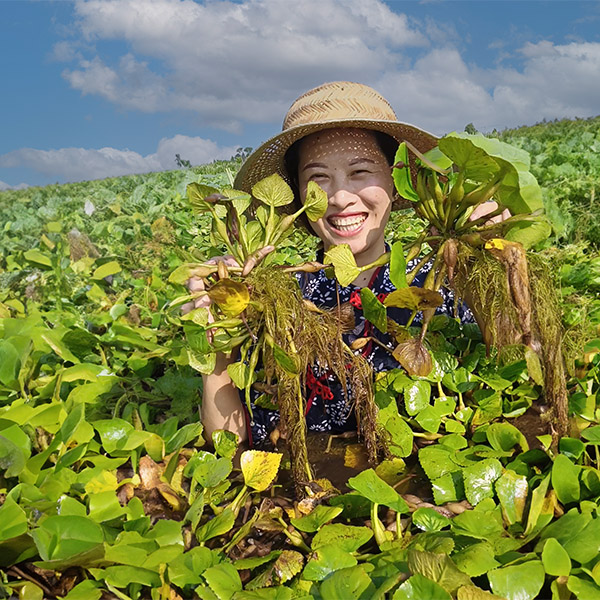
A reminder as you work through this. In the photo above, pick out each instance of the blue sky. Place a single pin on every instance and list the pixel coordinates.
(97, 88)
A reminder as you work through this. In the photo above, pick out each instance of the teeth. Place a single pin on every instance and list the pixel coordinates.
(349, 223)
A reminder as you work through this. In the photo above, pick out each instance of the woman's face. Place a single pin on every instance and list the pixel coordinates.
(349, 165)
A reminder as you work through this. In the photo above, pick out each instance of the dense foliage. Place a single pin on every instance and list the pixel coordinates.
(107, 488)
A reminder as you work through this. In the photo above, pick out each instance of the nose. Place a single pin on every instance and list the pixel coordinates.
(340, 191)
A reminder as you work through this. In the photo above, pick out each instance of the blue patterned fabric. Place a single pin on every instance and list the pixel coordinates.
(328, 409)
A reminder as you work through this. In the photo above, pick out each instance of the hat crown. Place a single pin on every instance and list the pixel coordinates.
(338, 101)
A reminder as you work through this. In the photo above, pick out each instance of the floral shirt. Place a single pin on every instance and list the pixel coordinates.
(327, 407)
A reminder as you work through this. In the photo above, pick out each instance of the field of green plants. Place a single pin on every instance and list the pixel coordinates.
(108, 488)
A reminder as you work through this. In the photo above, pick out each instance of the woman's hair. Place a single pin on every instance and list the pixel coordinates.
(387, 144)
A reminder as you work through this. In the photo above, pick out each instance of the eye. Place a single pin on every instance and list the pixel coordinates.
(314, 176)
(361, 172)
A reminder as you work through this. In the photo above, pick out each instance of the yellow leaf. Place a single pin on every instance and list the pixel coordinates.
(344, 263)
(355, 457)
(259, 468)
(232, 297)
(414, 298)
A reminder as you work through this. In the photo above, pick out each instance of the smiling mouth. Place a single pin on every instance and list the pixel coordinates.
(348, 223)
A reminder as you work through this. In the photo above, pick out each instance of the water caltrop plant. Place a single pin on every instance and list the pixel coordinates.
(510, 293)
(257, 307)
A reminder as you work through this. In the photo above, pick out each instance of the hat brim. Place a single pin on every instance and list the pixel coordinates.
(269, 157)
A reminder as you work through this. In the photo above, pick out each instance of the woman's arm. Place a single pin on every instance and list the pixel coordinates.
(221, 404)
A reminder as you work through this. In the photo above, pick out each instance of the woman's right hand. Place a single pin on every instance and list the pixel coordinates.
(198, 284)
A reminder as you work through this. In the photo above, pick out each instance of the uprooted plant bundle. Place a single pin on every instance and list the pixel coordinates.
(510, 294)
(259, 312)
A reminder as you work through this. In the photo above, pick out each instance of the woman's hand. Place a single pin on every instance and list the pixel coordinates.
(197, 284)
(485, 209)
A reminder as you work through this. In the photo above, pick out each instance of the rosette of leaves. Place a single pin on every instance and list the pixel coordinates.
(257, 307)
(509, 291)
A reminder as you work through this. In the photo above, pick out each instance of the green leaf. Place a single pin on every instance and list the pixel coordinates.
(518, 582)
(13, 520)
(416, 396)
(582, 588)
(316, 201)
(448, 487)
(196, 192)
(219, 525)
(512, 490)
(371, 486)
(240, 374)
(578, 533)
(106, 270)
(259, 468)
(60, 537)
(374, 311)
(12, 458)
(398, 266)
(476, 559)
(438, 568)
(209, 473)
(436, 461)
(86, 590)
(479, 479)
(10, 365)
(225, 442)
(320, 515)
(401, 435)
(351, 583)
(344, 263)
(347, 537)
(224, 580)
(419, 587)
(273, 191)
(429, 519)
(401, 175)
(504, 436)
(183, 436)
(325, 560)
(565, 479)
(482, 158)
(283, 359)
(37, 257)
(186, 569)
(529, 233)
(555, 558)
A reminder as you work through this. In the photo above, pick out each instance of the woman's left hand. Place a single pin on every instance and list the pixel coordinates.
(489, 207)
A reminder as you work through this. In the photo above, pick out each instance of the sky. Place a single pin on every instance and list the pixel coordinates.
(99, 88)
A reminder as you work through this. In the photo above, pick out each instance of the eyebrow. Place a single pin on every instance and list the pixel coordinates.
(314, 165)
(361, 160)
(355, 161)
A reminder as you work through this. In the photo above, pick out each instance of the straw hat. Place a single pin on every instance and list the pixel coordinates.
(335, 104)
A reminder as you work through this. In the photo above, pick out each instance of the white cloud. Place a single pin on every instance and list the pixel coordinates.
(233, 62)
(441, 92)
(6, 186)
(78, 164)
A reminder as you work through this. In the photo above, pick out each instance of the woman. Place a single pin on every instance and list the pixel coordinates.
(343, 136)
